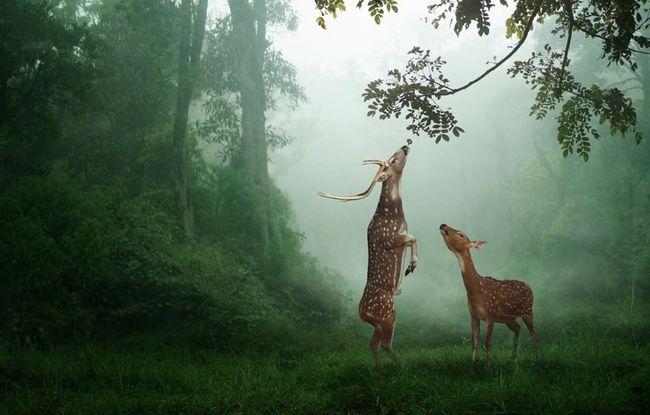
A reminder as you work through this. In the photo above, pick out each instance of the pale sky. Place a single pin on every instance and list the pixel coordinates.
(333, 135)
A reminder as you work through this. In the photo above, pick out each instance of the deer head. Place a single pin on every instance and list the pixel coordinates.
(389, 170)
(457, 241)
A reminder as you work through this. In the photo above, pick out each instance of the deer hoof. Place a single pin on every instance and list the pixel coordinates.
(410, 268)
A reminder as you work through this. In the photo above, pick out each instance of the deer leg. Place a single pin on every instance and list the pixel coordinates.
(512, 325)
(528, 321)
(488, 341)
(476, 329)
(413, 262)
(388, 328)
(375, 340)
(406, 239)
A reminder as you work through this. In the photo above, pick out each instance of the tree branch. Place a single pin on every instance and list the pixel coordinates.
(599, 36)
(620, 82)
(529, 25)
(565, 59)
(643, 52)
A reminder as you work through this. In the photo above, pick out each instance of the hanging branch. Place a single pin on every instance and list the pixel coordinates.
(529, 26)
(416, 91)
(565, 59)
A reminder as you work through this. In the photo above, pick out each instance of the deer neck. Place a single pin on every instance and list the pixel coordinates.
(390, 201)
(468, 271)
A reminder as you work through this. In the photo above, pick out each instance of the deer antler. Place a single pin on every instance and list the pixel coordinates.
(379, 162)
(365, 193)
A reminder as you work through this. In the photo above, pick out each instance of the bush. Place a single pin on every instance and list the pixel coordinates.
(81, 262)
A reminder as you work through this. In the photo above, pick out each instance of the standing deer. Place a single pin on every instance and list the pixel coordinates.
(489, 299)
(387, 243)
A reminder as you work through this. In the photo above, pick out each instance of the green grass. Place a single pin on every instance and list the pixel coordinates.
(594, 371)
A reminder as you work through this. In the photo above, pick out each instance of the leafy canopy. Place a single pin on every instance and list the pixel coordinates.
(417, 90)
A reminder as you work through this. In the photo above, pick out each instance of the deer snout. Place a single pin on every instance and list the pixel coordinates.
(443, 229)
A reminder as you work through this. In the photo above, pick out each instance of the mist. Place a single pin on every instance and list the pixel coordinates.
(163, 248)
(474, 182)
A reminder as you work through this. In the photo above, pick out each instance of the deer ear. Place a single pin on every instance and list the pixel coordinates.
(478, 244)
(382, 177)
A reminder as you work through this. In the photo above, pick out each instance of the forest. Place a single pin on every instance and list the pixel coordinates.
(163, 248)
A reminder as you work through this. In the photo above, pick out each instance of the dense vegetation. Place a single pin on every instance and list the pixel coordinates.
(91, 243)
(149, 264)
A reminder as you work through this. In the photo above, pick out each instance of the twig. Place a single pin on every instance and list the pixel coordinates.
(565, 59)
(599, 36)
(620, 82)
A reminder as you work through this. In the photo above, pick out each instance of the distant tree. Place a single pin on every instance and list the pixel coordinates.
(132, 97)
(45, 69)
(222, 104)
(418, 89)
(247, 78)
(191, 33)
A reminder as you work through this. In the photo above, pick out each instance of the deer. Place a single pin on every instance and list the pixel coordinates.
(489, 299)
(388, 239)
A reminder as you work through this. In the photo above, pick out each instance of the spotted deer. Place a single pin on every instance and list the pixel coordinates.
(387, 243)
(489, 299)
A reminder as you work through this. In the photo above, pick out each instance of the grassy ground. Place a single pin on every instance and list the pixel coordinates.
(589, 372)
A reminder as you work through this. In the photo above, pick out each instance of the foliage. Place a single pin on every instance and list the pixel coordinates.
(222, 121)
(583, 105)
(89, 246)
(45, 69)
(580, 370)
(599, 213)
(93, 262)
(105, 308)
(415, 92)
(418, 90)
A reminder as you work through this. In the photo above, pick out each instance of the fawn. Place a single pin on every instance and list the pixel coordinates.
(387, 243)
(489, 299)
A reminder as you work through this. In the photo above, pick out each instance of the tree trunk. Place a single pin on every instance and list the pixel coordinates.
(249, 34)
(261, 147)
(189, 56)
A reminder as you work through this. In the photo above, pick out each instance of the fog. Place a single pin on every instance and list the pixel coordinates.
(469, 182)
(149, 264)
(504, 180)
(447, 182)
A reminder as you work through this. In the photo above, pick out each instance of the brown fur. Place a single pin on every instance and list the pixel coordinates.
(387, 242)
(489, 299)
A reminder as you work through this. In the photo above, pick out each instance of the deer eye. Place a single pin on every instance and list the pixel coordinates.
(393, 161)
